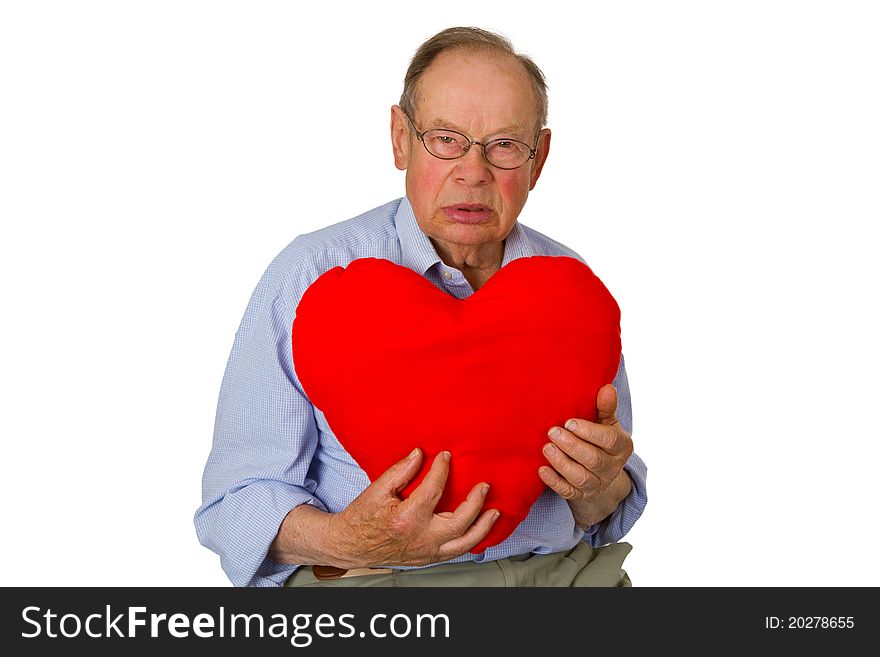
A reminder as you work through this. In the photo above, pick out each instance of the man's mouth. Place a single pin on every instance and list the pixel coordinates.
(468, 213)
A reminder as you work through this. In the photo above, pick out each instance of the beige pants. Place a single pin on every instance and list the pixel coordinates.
(580, 566)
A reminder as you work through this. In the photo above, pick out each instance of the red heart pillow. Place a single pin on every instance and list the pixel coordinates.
(394, 364)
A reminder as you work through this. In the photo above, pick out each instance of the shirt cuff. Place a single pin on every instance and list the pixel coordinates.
(618, 524)
(241, 526)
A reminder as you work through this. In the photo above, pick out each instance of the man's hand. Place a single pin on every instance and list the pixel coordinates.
(587, 460)
(379, 528)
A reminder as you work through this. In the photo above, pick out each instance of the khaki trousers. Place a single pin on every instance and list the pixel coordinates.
(582, 566)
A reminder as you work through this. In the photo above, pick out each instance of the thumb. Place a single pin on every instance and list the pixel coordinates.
(606, 405)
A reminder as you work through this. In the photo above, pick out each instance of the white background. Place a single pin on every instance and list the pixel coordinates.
(715, 162)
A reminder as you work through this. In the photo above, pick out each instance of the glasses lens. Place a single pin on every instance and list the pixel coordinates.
(507, 153)
(446, 144)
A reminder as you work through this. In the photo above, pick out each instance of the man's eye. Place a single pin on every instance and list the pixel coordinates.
(505, 144)
(446, 139)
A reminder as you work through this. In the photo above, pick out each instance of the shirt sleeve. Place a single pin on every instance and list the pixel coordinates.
(618, 524)
(264, 439)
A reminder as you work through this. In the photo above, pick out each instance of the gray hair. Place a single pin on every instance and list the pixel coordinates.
(475, 40)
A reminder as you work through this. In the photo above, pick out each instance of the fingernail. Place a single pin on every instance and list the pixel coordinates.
(495, 517)
(446, 455)
(555, 432)
(571, 425)
(549, 450)
(413, 454)
(484, 488)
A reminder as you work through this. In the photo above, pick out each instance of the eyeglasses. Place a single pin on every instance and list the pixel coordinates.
(502, 153)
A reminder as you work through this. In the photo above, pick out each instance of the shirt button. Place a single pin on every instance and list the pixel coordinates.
(447, 275)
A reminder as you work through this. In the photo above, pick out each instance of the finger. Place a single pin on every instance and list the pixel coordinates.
(612, 439)
(606, 405)
(429, 491)
(396, 478)
(586, 453)
(584, 476)
(466, 512)
(475, 533)
(558, 483)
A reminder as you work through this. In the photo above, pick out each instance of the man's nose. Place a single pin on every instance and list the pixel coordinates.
(472, 167)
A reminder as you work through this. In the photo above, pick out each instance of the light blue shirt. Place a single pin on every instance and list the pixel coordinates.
(273, 450)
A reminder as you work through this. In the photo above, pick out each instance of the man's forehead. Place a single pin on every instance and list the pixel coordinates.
(464, 91)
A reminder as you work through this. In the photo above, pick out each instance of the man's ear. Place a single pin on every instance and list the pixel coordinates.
(400, 137)
(543, 149)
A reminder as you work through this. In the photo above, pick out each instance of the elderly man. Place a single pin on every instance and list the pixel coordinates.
(284, 503)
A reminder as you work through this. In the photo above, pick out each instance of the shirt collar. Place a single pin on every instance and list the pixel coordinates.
(419, 254)
(517, 245)
(416, 249)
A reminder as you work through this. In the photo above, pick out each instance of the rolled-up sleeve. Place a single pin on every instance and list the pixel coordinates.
(618, 524)
(264, 439)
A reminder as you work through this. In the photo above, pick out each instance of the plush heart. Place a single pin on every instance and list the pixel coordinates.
(394, 363)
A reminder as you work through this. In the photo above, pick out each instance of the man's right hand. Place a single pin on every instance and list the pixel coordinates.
(379, 528)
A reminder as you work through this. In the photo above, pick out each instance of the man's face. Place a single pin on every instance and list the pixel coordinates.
(467, 202)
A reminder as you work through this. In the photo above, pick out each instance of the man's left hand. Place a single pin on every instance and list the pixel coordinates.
(586, 462)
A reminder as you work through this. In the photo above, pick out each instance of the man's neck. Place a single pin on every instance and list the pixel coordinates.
(477, 263)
